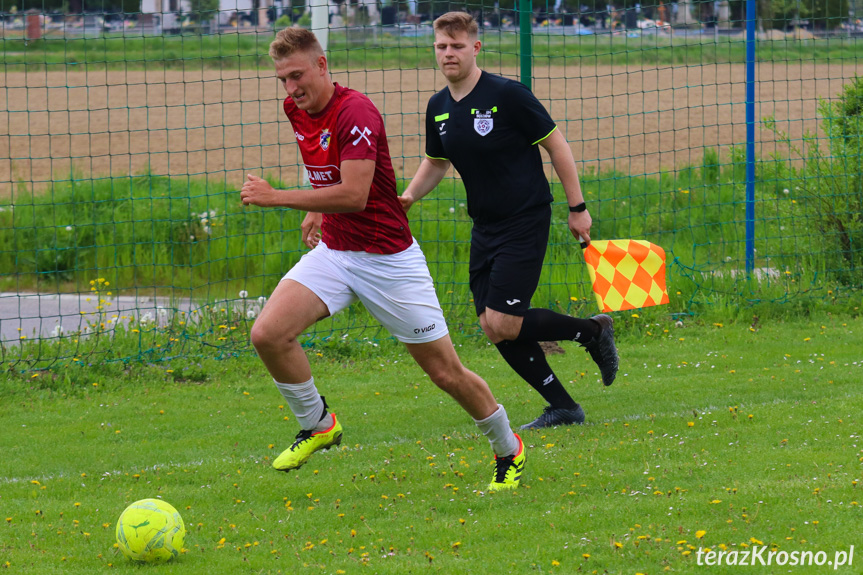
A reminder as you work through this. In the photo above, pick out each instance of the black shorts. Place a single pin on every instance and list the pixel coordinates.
(506, 261)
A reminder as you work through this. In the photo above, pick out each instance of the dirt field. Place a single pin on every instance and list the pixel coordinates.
(224, 124)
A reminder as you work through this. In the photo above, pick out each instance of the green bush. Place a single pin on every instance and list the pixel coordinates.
(828, 182)
(305, 20)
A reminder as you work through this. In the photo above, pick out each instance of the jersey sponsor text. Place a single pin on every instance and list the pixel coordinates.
(321, 176)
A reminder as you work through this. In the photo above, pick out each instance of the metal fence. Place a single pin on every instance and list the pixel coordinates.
(123, 143)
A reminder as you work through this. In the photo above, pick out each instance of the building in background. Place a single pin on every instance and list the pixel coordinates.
(164, 15)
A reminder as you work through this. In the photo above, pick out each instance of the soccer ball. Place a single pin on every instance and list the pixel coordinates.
(151, 531)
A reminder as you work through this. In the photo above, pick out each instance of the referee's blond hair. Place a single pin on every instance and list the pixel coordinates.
(452, 23)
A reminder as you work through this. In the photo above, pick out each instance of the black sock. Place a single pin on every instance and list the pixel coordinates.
(528, 361)
(545, 325)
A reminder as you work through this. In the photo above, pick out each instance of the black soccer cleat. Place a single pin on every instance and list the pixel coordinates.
(602, 349)
(554, 416)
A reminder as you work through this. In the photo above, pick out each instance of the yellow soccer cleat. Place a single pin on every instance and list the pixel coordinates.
(507, 471)
(306, 443)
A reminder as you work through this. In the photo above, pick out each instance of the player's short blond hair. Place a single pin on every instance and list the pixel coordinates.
(452, 23)
(292, 40)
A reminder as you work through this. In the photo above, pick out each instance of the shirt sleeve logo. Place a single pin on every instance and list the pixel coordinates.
(483, 120)
(362, 135)
(325, 139)
(442, 118)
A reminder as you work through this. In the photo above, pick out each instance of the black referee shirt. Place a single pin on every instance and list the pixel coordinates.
(491, 137)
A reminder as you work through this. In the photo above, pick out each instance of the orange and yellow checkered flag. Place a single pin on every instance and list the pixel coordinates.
(626, 274)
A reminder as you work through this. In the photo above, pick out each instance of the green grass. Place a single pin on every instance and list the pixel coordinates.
(146, 231)
(384, 50)
(747, 431)
(195, 239)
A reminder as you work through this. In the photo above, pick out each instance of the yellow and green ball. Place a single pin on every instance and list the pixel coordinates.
(150, 531)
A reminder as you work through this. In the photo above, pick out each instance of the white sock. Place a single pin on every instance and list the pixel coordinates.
(496, 428)
(305, 403)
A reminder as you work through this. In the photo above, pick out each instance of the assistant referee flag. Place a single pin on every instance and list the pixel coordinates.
(626, 274)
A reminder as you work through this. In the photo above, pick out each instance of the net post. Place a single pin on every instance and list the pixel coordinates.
(321, 22)
(751, 18)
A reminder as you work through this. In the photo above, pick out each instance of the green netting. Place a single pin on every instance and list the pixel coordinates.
(125, 136)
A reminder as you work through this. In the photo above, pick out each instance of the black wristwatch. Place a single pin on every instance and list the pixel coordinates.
(579, 208)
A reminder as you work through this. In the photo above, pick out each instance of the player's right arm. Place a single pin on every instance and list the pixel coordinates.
(350, 195)
(429, 175)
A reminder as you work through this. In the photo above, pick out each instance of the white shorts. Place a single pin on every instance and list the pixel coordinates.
(397, 289)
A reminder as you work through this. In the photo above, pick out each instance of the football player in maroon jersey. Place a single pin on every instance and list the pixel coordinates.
(362, 250)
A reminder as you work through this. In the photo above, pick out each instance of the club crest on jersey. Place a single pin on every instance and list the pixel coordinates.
(325, 139)
(483, 120)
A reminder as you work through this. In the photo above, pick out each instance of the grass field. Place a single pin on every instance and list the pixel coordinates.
(723, 433)
(726, 436)
(201, 241)
(382, 49)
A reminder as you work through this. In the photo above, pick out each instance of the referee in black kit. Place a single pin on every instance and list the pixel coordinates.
(489, 128)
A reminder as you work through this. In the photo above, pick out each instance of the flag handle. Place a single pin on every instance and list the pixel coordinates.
(582, 242)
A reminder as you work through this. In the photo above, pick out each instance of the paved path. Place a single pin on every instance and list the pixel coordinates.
(42, 315)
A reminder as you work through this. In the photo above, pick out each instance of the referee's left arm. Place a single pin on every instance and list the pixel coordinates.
(564, 165)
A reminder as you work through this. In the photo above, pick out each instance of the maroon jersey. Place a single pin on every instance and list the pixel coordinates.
(351, 128)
